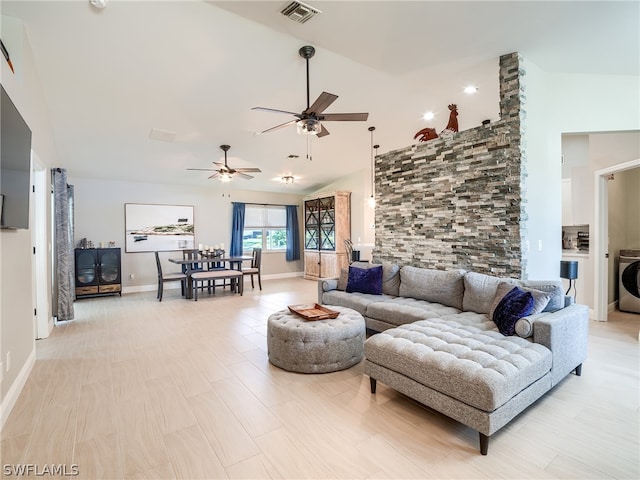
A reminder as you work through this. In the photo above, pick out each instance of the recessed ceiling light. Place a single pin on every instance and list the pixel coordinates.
(470, 89)
(428, 116)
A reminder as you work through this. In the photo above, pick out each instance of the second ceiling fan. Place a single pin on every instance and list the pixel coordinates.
(309, 121)
(224, 172)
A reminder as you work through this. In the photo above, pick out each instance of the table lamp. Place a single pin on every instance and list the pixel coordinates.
(569, 270)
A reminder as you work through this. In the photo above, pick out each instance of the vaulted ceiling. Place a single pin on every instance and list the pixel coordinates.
(194, 68)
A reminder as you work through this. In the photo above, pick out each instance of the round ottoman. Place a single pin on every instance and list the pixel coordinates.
(319, 346)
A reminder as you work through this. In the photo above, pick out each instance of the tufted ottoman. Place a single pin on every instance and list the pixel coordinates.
(320, 346)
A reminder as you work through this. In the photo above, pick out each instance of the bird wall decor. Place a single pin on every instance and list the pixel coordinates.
(427, 134)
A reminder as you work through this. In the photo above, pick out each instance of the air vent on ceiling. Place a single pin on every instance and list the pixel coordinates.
(162, 135)
(299, 12)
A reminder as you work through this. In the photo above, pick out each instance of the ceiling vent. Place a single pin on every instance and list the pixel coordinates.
(162, 135)
(299, 12)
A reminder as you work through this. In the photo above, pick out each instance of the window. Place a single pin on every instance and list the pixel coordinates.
(265, 227)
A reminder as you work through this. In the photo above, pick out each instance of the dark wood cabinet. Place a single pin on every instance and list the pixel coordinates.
(98, 271)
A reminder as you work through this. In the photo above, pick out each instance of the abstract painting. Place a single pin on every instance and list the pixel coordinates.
(150, 228)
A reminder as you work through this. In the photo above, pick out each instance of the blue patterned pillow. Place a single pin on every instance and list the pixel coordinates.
(365, 280)
(513, 306)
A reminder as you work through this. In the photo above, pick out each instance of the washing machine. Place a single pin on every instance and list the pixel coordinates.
(629, 281)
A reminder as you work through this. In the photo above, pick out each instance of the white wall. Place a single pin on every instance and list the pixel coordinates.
(557, 104)
(99, 216)
(17, 334)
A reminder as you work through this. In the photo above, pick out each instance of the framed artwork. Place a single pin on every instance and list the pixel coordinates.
(150, 228)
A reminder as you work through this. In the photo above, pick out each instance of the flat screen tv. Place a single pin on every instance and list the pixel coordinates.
(15, 165)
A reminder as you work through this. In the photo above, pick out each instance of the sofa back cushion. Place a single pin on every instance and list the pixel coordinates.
(552, 287)
(391, 279)
(439, 286)
(480, 290)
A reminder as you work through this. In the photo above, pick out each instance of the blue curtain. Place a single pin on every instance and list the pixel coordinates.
(237, 227)
(293, 235)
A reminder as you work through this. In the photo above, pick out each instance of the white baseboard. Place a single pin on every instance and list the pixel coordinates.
(12, 395)
(176, 285)
(612, 307)
(277, 276)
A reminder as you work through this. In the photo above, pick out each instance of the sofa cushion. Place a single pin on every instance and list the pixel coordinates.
(540, 298)
(401, 310)
(514, 305)
(440, 286)
(480, 291)
(483, 369)
(554, 288)
(355, 301)
(391, 279)
(343, 278)
(524, 325)
(365, 280)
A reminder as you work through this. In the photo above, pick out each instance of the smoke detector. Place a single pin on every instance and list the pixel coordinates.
(299, 12)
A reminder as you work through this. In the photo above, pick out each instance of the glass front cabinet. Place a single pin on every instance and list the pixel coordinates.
(327, 224)
(98, 271)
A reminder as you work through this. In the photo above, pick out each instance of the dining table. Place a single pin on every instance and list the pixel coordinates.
(235, 263)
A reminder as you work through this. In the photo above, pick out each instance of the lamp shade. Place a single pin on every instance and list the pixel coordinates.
(569, 269)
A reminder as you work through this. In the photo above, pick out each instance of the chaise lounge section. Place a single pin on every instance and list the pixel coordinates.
(434, 340)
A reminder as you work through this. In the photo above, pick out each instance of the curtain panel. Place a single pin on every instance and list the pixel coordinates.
(237, 228)
(293, 234)
(64, 271)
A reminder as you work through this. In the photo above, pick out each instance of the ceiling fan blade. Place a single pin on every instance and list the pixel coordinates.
(344, 117)
(274, 110)
(249, 169)
(243, 175)
(323, 132)
(219, 164)
(203, 169)
(215, 175)
(322, 103)
(285, 124)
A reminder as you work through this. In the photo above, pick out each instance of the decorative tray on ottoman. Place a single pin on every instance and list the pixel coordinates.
(313, 311)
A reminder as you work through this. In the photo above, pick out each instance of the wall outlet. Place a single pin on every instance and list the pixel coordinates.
(539, 245)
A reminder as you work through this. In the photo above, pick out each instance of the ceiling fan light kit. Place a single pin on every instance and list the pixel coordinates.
(309, 127)
(309, 121)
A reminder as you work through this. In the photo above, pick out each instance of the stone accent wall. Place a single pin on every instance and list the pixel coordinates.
(458, 202)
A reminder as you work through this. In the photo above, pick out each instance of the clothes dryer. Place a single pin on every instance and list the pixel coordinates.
(629, 281)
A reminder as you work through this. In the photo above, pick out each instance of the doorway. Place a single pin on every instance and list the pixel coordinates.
(601, 237)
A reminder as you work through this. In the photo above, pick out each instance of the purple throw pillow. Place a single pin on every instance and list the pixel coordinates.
(365, 280)
(513, 306)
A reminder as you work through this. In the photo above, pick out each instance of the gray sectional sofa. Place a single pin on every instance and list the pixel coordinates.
(434, 340)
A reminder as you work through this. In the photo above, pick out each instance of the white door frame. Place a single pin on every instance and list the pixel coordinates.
(601, 237)
(43, 319)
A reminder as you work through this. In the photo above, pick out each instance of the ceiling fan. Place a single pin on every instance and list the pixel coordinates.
(225, 172)
(309, 121)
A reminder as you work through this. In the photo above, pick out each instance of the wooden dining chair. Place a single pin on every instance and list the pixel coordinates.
(191, 254)
(256, 266)
(169, 277)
